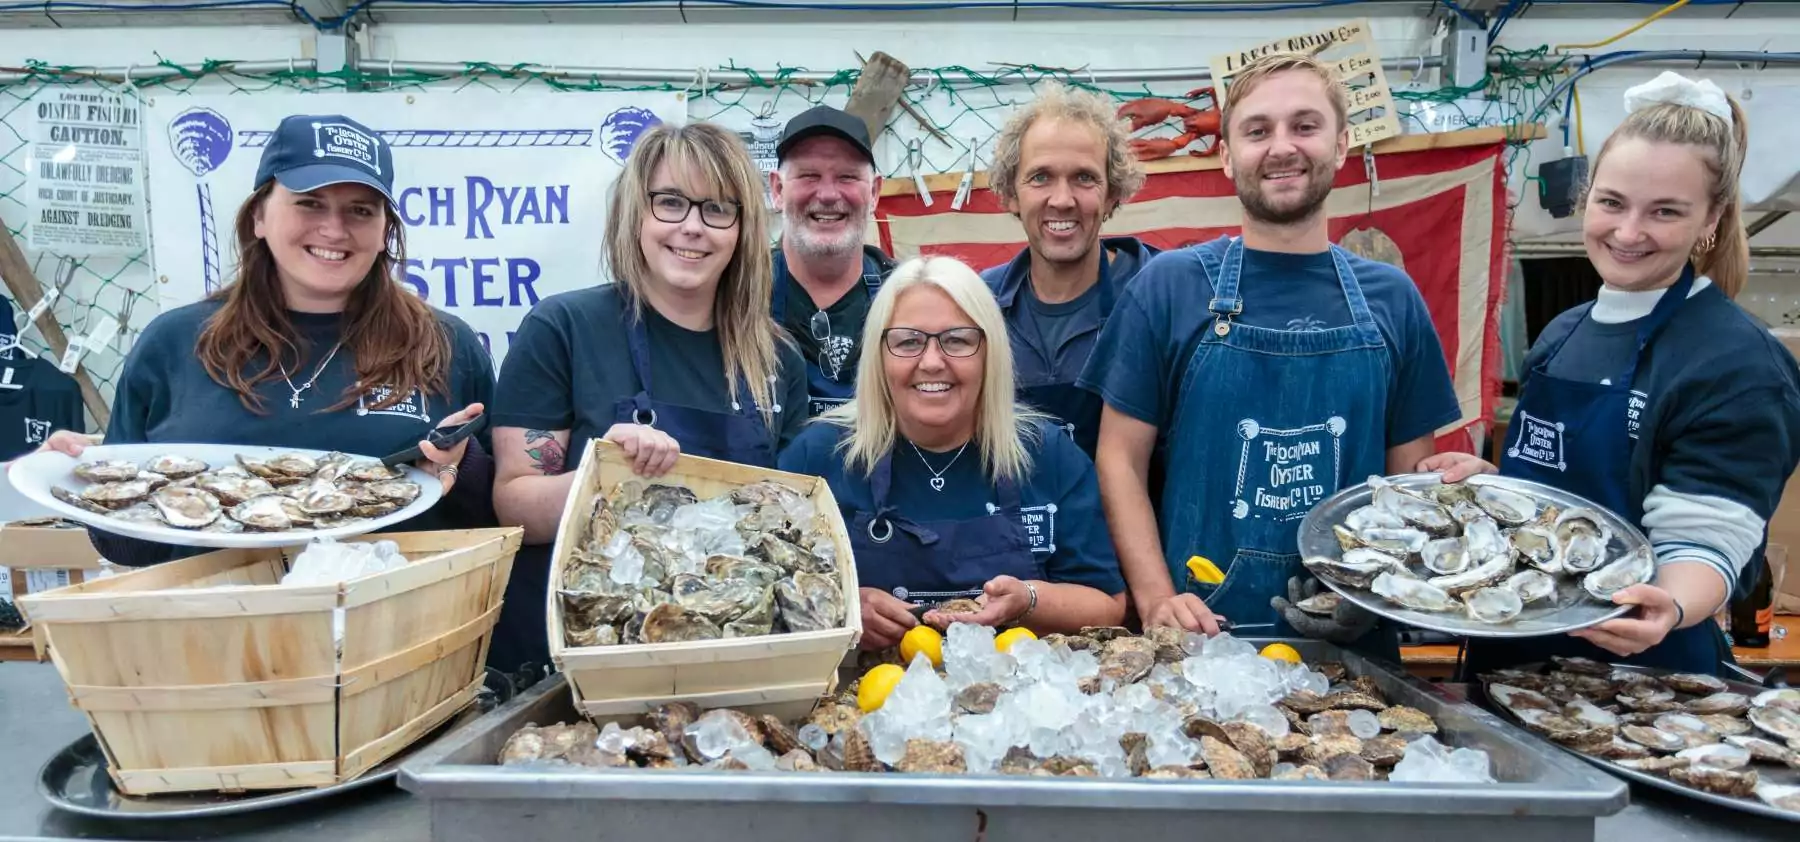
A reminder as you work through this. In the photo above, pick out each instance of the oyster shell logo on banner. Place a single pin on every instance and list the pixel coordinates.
(620, 131)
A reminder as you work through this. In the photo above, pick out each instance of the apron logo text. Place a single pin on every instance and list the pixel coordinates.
(1634, 411)
(1302, 468)
(1539, 442)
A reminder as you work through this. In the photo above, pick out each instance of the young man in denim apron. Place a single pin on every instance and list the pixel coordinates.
(1272, 370)
(826, 187)
(1062, 167)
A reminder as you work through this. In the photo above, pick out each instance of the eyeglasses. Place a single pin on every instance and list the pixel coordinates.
(955, 342)
(674, 208)
(820, 326)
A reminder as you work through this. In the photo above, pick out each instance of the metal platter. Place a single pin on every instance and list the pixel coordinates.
(1766, 772)
(75, 780)
(1570, 609)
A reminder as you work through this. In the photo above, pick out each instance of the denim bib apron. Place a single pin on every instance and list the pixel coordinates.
(1267, 424)
(824, 389)
(1076, 409)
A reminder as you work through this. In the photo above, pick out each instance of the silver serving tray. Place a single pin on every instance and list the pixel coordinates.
(461, 771)
(1764, 771)
(1573, 608)
(75, 780)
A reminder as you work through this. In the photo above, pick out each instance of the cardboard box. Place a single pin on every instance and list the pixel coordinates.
(35, 559)
(1784, 527)
(1784, 567)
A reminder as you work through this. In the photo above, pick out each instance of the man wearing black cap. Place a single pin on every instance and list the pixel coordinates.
(826, 187)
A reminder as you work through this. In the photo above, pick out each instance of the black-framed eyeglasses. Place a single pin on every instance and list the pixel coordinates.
(955, 342)
(674, 208)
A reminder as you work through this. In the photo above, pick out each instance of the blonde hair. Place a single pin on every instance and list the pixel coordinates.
(1722, 148)
(1003, 428)
(717, 159)
(1056, 101)
(1245, 82)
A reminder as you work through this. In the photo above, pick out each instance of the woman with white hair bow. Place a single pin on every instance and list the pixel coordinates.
(1662, 400)
(951, 490)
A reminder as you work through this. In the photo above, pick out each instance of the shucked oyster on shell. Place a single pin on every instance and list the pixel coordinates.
(175, 466)
(186, 508)
(112, 470)
(1635, 567)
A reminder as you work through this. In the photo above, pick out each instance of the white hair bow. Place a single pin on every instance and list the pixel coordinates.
(1676, 89)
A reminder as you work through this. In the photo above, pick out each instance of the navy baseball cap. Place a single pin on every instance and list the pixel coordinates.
(823, 119)
(308, 152)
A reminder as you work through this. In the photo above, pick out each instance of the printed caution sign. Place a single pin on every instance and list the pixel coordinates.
(1351, 52)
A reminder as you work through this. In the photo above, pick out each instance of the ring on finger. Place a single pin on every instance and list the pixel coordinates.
(450, 470)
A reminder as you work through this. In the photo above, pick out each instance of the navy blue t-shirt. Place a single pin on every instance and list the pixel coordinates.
(569, 366)
(1138, 363)
(1060, 501)
(165, 395)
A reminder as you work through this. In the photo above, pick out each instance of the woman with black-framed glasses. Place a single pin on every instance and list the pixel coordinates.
(952, 491)
(678, 355)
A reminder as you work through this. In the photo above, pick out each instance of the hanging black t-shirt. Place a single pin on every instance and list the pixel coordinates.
(36, 399)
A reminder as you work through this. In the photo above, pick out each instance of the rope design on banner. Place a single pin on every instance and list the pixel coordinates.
(949, 120)
(457, 138)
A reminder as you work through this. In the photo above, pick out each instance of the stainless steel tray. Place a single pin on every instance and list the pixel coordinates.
(471, 795)
(75, 780)
(1573, 608)
(1764, 771)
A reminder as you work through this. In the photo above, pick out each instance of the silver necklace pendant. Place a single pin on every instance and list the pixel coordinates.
(294, 401)
(937, 483)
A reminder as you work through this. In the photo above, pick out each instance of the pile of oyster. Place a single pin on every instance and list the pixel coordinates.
(658, 565)
(287, 492)
(1479, 549)
(1156, 725)
(1692, 729)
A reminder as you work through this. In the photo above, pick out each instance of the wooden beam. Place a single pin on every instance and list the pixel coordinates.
(948, 182)
(877, 90)
(26, 291)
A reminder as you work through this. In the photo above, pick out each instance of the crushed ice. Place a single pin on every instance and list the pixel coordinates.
(1043, 709)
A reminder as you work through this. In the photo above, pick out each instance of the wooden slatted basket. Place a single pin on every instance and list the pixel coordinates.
(207, 674)
(778, 673)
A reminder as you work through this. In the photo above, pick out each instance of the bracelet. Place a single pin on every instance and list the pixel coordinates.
(1032, 606)
(1680, 614)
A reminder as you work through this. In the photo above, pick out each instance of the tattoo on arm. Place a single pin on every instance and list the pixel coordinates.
(545, 451)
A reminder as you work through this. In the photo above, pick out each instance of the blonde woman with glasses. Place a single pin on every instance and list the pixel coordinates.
(677, 355)
(950, 489)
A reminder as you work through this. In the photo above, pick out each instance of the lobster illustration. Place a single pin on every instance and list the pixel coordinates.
(1196, 123)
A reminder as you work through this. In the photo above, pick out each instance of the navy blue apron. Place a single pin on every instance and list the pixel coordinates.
(826, 389)
(929, 562)
(1572, 435)
(1282, 419)
(738, 436)
(1077, 410)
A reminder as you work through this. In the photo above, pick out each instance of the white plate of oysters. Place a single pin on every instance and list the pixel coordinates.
(212, 495)
(1487, 557)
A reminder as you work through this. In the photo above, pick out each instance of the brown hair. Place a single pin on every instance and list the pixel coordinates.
(1722, 148)
(1245, 82)
(717, 159)
(1056, 101)
(394, 336)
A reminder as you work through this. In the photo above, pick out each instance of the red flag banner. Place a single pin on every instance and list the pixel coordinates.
(1437, 213)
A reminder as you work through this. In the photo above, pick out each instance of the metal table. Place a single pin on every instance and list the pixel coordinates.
(36, 721)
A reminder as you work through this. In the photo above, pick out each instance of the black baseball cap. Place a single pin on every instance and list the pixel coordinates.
(308, 152)
(823, 119)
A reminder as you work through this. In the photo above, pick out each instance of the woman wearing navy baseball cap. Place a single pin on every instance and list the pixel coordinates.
(315, 344)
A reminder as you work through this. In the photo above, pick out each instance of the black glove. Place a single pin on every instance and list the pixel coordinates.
(1346, 624)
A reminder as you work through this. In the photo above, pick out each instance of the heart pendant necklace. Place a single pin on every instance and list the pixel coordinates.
(937, 476)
